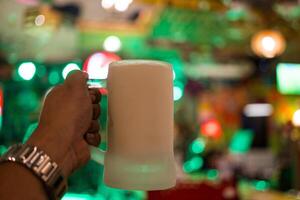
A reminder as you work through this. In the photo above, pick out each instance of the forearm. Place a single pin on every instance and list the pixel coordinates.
(68, 113)
(43, 166)
(17, 183)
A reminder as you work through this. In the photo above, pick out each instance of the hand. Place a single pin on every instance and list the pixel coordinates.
(70, 111)
(92, 136)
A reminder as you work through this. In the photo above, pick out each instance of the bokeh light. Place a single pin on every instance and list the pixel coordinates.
(122, 5)
(258, 110)
(75, 196)
(97, 64)
(29, 2)
(261, 185)
(174, 75)
(112, 44)
(27, 100)
(68, 68)
(54, 77)
(296, 118)
(27, 70)
(3, 149)
(212, 174)
(119, 5)
(39, 20)
(288, 81)
(193, 164)
(241, 141)
(177, 92)
(107, 4)
(268, 43)
(211, 128)
(198, 146)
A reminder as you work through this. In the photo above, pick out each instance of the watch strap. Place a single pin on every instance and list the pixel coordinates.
(41, 165)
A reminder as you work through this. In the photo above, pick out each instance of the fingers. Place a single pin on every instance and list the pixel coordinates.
(95, 95)
(93, 139)
(94, 127)
(95, 98)
(96, 111)
(77, 78)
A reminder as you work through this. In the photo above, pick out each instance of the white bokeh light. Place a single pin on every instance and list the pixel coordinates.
(119, 5)
(174, 75)
(268, 43)
(94, 70)
(258, 110)
(122, 5)
(68, 68)
(211, 128)
(39, 20)
(107, 4)
(296, 118)
(112, 44)
(177, 93)
(27, 70)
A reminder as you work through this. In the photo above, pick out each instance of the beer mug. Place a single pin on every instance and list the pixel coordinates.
(140, 126)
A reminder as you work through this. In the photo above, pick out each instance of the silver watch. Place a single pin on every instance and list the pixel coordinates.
(41, 165)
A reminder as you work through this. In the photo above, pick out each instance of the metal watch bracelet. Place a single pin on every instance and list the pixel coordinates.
(41, 165)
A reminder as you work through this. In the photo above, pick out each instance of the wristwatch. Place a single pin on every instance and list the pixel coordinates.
(41, 165)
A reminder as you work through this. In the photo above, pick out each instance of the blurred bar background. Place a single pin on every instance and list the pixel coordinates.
(236, 77)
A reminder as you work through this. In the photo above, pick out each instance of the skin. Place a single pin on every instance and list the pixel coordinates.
(68, 124)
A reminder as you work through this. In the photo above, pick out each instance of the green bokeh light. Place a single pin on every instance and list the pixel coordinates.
(1, 119)
(174, 75)
(3, 149)
(28, 100)
(241, 141)
(198, 146)
(212, 174)
(235, 14)
(192, 165)
(41, 71)
(187, 167)
(288, 81)
(261, 185)
(197, 162)
(73, 196)
(54, 77)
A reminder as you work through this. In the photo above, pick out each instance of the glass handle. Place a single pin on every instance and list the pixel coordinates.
(97, 155)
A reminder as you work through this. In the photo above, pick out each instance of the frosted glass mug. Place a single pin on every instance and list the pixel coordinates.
(140, 126)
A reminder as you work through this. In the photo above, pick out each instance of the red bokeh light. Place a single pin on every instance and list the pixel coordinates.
(1, 101)
(103, 91)
(211, 128)
(96, 65)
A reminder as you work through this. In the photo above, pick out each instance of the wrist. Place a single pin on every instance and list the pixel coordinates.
(57, 148)
(41, 165)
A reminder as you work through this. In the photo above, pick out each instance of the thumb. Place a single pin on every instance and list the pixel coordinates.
(77, 78)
